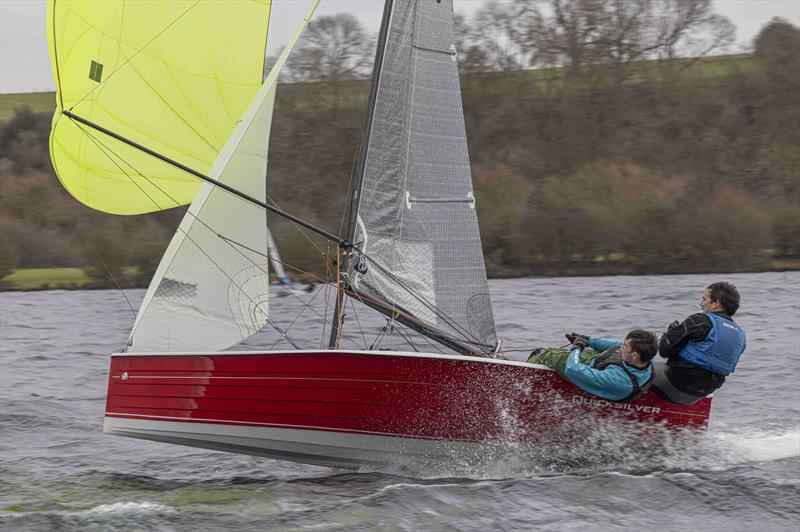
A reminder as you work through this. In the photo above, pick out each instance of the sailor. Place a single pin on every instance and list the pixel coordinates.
(616, 371)
(702, 350)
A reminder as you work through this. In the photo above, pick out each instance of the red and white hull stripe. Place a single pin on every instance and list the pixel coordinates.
(346, 408)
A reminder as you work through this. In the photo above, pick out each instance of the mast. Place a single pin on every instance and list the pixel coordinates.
(360, 166)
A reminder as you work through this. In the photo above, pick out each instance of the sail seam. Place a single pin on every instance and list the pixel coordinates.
(145, 45)
(433, 50)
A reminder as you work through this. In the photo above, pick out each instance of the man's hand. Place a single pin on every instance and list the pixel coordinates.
(581, 342)
(571, 337)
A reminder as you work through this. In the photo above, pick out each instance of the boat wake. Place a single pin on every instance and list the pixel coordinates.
(610, 446)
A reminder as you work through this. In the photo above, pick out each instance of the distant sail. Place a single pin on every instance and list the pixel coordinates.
(211, 288)
(173, 76)
(416, 208)
(276, 262)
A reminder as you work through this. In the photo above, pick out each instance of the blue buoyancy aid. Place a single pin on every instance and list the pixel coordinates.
(720, 350)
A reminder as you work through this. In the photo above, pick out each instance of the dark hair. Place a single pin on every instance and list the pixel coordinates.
(644, 343)
(726, 294)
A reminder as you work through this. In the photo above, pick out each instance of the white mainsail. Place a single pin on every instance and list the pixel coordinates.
(210, 290)
(415, 219)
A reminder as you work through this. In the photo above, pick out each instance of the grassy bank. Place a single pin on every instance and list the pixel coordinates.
(46, 279)
(39, 102)
(67, 279)
(30, 279)
(352, 93)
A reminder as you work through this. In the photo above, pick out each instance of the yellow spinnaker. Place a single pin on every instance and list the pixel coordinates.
(171, 75)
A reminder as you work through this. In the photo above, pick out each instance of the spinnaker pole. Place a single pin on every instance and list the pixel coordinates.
(283, 214)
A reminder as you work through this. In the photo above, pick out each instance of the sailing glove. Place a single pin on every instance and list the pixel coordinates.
(571, 337)
(581, 341)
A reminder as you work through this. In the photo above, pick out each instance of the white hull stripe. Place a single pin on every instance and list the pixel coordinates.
(283, 426)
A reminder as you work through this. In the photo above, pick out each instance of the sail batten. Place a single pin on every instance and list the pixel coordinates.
(415, 222)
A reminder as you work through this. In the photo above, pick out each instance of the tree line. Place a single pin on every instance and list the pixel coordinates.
(627, 149)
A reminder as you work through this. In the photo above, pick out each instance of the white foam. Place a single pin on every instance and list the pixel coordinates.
(764, 446)
(127, 509)
(104, 511)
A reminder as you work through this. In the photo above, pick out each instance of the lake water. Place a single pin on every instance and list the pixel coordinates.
(60, 472)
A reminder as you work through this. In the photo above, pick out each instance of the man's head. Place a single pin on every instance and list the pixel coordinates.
(720, 297)
(639, 347)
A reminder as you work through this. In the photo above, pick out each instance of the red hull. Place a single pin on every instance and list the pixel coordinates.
(433, 397)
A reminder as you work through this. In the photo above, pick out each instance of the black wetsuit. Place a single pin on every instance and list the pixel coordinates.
(684, 376)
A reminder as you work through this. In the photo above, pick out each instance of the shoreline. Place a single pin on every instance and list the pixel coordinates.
(76, 283)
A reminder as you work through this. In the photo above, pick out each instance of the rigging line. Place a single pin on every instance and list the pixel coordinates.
(340, 303)
(381, 334)
(297, 227)
(234, 243)
(55, 58)
(342, 243)
(325, 319)
(450, 321)
(203, 223)
(230, 242)
(222, 270)
(350, 191)
(358, 321)
(212, 181)
(104, 149)
(358, 297)
(437, 347)
(196, 218)
(94, 244)
(326, 302)
(408, 340)
(297, 317)
(329, 236)
(361, 297)
(137, 52)
(105, 266)
(284, 334)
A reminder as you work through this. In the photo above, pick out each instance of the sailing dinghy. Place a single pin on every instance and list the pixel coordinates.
(161, 104)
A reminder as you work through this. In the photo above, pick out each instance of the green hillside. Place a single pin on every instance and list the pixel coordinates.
(351, 92)
(39, 102)
(686, 166)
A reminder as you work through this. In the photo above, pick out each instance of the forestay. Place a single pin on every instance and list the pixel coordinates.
(173, 76)
(416, 209)
(210, 290)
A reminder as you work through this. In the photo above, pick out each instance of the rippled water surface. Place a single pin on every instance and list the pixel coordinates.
(60, 472)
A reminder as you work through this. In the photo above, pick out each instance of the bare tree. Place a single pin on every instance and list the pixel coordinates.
(334, 48)
(625, 35)
(499, 35)
(690, 28)
(577, 33)
(471, 57)
(566, 33)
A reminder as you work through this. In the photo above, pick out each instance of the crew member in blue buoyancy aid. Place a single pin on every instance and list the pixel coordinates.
(616, 371)
(702, 350)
